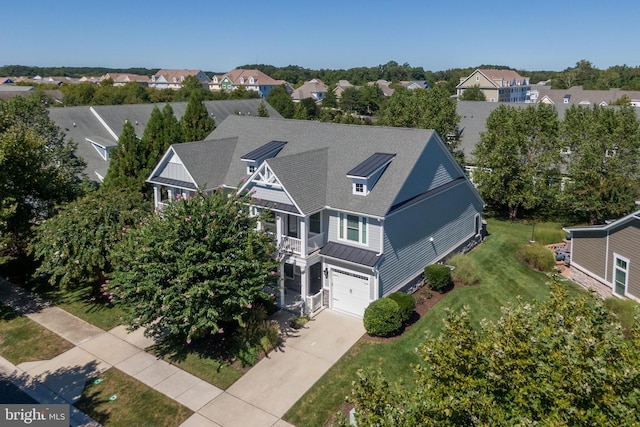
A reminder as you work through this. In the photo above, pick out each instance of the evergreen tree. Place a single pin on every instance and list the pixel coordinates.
(172, 129)
(262, 110)
(196, 123)
(152, 138)
(300, 112)
(128, 162)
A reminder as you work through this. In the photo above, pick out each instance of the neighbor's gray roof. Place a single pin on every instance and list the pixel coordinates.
(473, 120)
(94, 121)
(313, 164)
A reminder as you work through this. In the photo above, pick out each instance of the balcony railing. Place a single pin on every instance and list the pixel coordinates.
(292, 244)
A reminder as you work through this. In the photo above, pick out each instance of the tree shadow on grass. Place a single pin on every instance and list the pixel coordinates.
(61, 386)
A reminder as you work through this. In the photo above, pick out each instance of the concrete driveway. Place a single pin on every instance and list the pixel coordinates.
(272, 386)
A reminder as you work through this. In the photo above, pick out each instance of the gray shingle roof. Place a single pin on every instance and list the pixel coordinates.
(313, 164)
(208, 167)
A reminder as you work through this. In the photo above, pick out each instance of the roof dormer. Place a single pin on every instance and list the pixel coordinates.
(260, 154)
(365, 175)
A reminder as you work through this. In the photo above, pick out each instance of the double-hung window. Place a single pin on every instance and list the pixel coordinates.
(621, 273)
(353, 228)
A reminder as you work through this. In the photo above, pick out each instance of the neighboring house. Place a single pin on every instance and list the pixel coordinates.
(576, 95)
(357, 211)
(120, 79)
(384, 87)
(96, 129)
(254, 80)
(314, 89)
(606, 258)
(6, 81)
(416, 84)
(173, 79)
(497, 85)
(340, 87)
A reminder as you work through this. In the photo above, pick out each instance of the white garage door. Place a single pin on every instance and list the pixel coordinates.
(350, 292)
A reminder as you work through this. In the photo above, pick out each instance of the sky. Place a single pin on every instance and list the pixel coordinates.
(219, 36)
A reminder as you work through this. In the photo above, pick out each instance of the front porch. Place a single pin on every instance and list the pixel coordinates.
(301, 288)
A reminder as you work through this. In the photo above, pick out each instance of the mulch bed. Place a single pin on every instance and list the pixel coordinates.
(425, 300)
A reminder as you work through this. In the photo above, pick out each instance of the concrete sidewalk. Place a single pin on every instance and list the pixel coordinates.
(259, 398)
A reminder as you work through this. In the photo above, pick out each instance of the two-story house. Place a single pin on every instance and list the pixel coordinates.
(314, 89)
(173, 79)
(497, 85)
(254, 80)
(357, 211)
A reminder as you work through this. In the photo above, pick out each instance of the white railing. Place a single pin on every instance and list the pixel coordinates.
(162, 205)
(314, 302)
(315, 242)
(291, 244)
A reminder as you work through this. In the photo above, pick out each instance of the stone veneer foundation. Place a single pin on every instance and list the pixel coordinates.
(589, 283)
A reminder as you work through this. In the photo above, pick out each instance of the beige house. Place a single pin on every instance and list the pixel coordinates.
(606, 258)
(120, 79)
(314, 89)
(497, 85)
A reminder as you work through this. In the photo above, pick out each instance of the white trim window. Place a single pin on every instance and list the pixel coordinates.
(353, 228)
(620, 275)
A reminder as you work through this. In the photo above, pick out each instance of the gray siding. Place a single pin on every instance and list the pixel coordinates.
(625, 241)
(175, 171)
(449, 218)
(588, 250)
(271, 194)
(373, 232)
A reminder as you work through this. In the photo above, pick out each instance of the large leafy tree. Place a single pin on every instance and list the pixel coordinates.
(73, 246)
(518, 158)
(196, 123)
(37, 169)
(196, 267)
(281, 101)
(562, 362)
(473, 94)
(424, 109)
(604, 161)
(128, 164)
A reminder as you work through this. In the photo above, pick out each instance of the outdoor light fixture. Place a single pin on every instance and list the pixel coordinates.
(326, 273)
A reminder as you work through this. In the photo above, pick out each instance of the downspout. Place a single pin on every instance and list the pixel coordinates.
(606, 260)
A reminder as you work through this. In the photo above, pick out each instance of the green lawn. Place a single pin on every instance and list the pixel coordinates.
(135, 404)
(23, 340)
(503, 278)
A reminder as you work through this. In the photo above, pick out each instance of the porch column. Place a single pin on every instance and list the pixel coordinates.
(170, 195)
(157, 197)
(281, 285)
(279, 227)
(304, 288)
(303, 236)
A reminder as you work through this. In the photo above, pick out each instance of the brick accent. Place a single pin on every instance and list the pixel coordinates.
(590, 283)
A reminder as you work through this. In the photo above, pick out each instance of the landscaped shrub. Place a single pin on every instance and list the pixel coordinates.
(538, 257)
(466, 271)
(382, 318)
(437, 276)
(406, 304)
